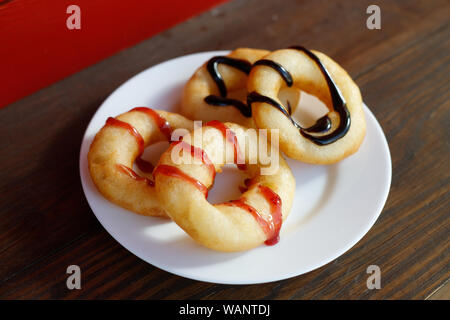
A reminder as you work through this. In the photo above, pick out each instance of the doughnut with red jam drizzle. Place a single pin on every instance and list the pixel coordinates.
(251, 220)
(119, 144)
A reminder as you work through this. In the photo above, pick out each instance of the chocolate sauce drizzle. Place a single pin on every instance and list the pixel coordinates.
(222, 100)
(324, 123)
(278, 68)
(321, 125)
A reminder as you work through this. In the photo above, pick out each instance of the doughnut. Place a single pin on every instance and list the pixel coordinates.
(118, 145)
(217, 90)
(333, 137)
(247, 222)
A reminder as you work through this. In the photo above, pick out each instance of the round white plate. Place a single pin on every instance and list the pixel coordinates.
(334, 206)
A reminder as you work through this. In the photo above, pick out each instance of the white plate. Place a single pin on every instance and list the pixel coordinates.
(334, 206)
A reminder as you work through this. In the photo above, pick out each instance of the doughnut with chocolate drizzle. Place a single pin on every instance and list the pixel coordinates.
(300, 70)
(217, 90)
(222, 100)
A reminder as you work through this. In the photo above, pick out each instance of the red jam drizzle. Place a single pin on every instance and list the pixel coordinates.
(133, 174)
(231, 138)
(163, 124)
(142, 164)
(274, 201)
(172, 171)
(272, 227)
(175, 172)
(199, 154)
(132, 130)
(240, 203)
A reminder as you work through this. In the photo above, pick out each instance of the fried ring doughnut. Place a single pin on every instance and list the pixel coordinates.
(118, 145)
(253, 219)
(217, 90)
(334, 136)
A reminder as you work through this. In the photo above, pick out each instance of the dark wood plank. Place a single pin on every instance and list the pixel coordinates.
(403, 71)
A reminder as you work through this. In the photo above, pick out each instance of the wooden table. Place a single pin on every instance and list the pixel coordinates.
(403, 71)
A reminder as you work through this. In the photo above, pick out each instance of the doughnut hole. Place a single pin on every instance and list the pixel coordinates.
(227, 185)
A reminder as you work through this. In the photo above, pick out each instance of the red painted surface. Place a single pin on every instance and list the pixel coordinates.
(37, 48)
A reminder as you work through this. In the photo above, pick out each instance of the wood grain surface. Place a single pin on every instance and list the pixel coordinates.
(403, 71)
